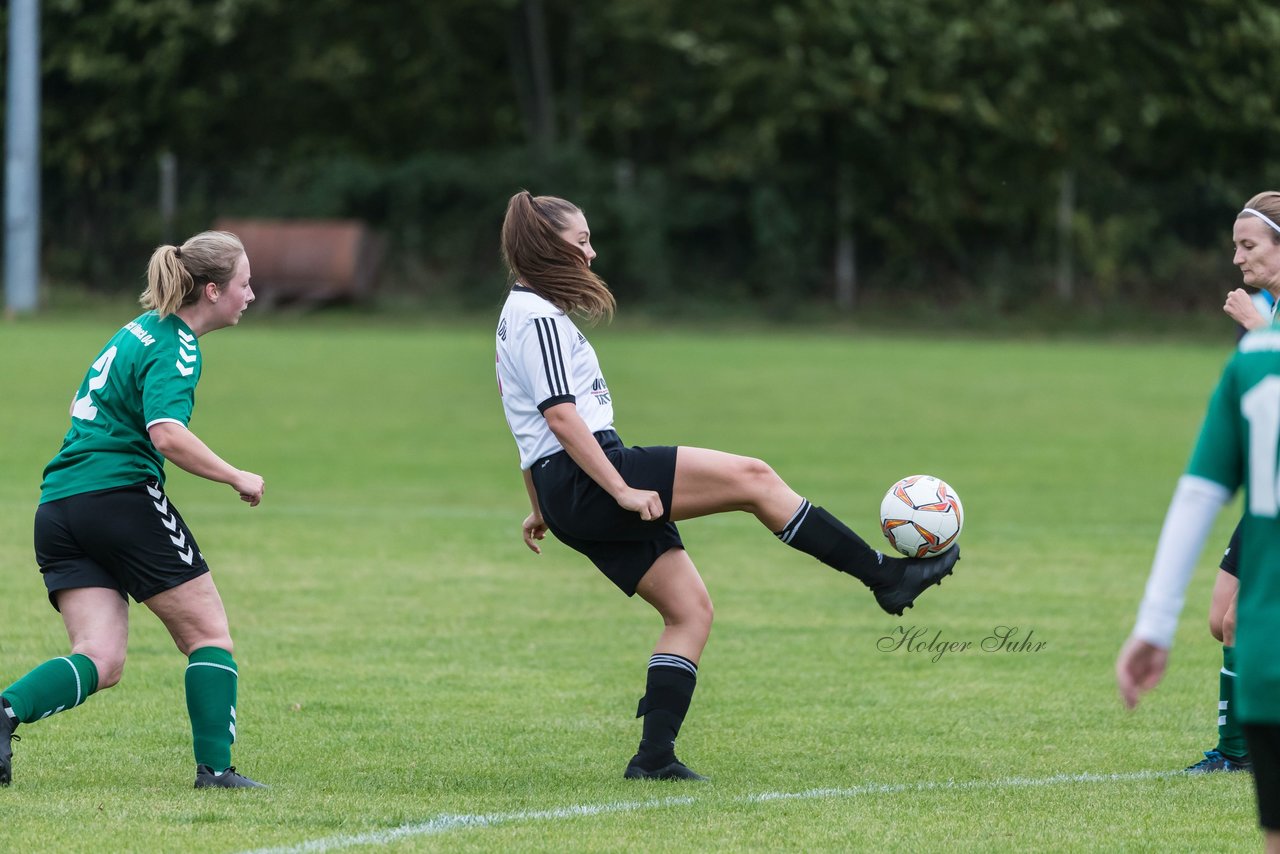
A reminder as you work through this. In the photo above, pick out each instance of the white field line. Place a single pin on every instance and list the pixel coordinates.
(445, 823)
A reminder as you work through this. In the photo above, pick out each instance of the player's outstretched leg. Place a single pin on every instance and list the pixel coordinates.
(97, 621)
(710, 481)
(55, 686)
(896, 582)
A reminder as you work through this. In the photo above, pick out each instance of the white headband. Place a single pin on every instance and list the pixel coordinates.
(1262, 217)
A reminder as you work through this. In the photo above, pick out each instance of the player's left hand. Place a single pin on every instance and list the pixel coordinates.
(1139, 668)
(534, 529)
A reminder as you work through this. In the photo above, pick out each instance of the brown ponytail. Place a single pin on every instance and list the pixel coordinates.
(543, 261)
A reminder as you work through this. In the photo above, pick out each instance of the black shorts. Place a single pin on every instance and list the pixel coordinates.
(586, 518)
(129, 539)
(1264, 752)
(1231, 556)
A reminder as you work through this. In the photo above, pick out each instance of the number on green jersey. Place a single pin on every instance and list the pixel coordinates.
(83, 407)
(1260, 406)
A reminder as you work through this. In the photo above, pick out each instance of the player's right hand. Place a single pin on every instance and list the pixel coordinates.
(646, 502)
(1139, 668)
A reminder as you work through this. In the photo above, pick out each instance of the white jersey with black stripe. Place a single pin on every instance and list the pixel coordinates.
(544, 360)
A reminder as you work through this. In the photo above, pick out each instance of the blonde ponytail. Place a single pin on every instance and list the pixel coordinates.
(176, 274)
(168, 282)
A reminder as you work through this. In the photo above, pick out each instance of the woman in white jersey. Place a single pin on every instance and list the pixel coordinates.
(1255, 241)
(618, 505)
(105, 530)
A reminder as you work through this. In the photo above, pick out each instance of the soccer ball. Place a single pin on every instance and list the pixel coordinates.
(921, 516)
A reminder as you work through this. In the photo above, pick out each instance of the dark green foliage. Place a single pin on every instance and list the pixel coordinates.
(710, 143)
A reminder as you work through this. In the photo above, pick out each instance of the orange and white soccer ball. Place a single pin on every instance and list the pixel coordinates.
(921, 516)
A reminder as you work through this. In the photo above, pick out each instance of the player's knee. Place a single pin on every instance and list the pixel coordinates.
(111, 677)
(757, 474)
(107, 660)
(1228, 636)
(756, 469)
(691, 612)
(218, 640)
(1216, 626)
(700, 612)
(704, 612)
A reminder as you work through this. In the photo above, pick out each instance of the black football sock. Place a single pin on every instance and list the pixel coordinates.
(668, 693)
(816, 532)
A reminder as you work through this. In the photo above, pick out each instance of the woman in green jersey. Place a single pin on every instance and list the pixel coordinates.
(1238, 446)
(1255, 242)
(105, 530)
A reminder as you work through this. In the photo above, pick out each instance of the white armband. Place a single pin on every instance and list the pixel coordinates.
(1192, 511)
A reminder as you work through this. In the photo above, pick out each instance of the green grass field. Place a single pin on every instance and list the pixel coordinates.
(412, 679)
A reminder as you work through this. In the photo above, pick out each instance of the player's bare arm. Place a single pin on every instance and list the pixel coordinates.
(534, 528)
(573, 434)
(188, 452)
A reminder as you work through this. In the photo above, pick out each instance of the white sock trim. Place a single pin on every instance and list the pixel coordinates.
(230, 670)
(72, 665)
(664, 659)
(788, 532)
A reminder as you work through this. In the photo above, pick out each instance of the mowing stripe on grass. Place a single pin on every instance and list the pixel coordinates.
(445, 823)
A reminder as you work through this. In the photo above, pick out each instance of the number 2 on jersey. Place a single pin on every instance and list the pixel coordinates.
(83, 408)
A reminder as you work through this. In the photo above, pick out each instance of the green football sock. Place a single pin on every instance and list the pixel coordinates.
(56, 685)
(211, 703)
(1231, 741)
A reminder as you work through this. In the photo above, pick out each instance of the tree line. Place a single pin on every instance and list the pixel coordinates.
(832, 151)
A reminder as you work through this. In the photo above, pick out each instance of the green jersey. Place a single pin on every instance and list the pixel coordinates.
(146, 374)
(1239, 445)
